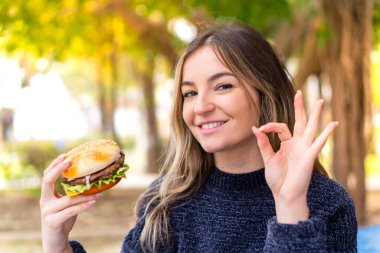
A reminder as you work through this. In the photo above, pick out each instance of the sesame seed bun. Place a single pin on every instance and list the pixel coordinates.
(91, 157)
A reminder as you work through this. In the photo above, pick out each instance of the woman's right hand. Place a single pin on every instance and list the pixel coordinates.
(58, 212)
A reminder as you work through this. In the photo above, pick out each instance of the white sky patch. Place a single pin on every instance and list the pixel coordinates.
(182, 28)
(10, 82)
(46, 111)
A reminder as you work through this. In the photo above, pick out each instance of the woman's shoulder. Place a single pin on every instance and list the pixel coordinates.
(327, 192)
(148, 197)
(330, 201)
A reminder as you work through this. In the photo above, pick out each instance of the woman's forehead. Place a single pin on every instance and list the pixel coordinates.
(203, 60)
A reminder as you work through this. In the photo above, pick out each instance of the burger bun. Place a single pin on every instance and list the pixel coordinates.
(91, 157)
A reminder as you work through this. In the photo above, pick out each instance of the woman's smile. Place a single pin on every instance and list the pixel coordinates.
(216, 107)
(211, 125)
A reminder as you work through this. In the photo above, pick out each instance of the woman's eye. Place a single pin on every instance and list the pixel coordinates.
(188, 94)
(224, 86)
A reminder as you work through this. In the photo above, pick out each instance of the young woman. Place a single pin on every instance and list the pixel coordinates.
(241, 172)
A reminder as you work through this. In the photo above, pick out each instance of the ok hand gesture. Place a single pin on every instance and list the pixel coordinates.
(288, 171)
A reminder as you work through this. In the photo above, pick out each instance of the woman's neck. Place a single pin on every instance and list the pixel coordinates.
(239, 160)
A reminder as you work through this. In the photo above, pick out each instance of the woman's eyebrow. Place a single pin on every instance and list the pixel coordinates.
(187, 83)
(219, 75)
(211, 78)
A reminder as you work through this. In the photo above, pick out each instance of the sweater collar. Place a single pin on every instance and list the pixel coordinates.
(236, 182)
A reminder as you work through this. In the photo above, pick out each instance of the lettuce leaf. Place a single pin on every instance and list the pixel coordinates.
(77, 189)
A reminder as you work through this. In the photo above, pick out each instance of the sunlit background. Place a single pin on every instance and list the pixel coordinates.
(79, 70)
(46, 110)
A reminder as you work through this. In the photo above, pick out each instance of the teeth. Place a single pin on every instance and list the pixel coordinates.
(211, 125)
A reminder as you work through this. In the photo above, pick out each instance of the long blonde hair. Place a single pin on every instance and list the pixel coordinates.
(186, 166)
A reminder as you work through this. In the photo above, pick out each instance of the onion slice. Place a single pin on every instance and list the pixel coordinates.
(88, 182)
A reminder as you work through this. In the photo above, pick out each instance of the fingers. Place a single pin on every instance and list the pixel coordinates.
(58, 213)
(57, 194)
(57, 160)
(306, 127)
(300, 114)
(322, 138)
(66, 207)
(281, 129)
(312, 124)
(66, 202)
(51, 174)
(71, 211)
(264, 145)
(57, 220)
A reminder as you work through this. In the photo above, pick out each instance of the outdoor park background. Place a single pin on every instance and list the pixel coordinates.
(78, 70)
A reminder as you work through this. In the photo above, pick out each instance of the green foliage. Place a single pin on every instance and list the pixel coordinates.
(56, 28)
(324, 34)
(376, 21)
(264, 15)
(12, 167)
(28, 158)
(85, 29)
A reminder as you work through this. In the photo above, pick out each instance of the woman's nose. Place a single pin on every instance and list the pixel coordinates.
(203, 104)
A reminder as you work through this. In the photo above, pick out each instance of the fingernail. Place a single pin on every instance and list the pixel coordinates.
(261, 128)
(61, 156)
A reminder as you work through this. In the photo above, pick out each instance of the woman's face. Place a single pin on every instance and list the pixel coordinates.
(216, 108)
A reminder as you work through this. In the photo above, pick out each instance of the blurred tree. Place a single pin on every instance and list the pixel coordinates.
(58, 30)
(329, 38)
(332, 40)
(152, 36)
(347, 64)
(101, 31)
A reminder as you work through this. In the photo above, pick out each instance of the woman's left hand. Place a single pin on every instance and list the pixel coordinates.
(288, 171)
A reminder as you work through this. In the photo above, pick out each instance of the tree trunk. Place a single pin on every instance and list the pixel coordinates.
(154, 143)
(347, 65)
(106, 98)
(310, 60)
(101, 95)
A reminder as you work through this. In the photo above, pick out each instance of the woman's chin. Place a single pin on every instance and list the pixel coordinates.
(211, 149)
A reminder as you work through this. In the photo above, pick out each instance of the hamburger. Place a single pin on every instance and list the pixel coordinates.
(95, 166)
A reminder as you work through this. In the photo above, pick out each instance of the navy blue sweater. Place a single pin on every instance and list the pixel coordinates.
(236, 213)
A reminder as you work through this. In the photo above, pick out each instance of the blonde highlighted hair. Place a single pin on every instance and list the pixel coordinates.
(186, 165)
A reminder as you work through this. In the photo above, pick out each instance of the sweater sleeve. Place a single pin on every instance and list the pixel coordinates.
(305, 236)
(77, 247)
(337, 233)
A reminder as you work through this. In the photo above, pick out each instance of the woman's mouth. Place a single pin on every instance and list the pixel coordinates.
(212, 125)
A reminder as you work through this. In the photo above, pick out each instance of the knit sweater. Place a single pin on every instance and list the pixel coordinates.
(236, 213)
